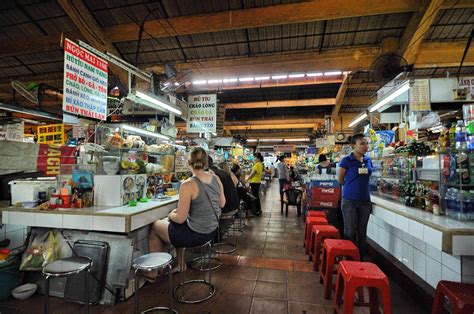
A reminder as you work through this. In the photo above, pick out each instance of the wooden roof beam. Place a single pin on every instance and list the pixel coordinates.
(90, 29)
(339, 98)
(419, 24)
(282, 103)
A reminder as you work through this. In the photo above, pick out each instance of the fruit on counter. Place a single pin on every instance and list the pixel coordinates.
(129, 165)
(160, 149)
(154, 168)
(113, 140)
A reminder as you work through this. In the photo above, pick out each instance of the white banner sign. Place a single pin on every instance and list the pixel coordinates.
(14, 131)
(202, 111)
(420, 96)
(85, 82)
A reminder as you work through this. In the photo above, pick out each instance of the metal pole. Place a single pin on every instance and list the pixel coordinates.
(136, 290)
(46, 295)
(86, 274)
(170, 283)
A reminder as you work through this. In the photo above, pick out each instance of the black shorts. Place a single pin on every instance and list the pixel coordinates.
(183, 236)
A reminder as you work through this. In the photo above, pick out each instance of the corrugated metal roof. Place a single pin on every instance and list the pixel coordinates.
(8, 62)
(356, 92)
(47, 67)
(13, 71)
(113, 12)
(42, 57)
(451, 24)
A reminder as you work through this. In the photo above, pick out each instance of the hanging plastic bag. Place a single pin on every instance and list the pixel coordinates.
(43, 250)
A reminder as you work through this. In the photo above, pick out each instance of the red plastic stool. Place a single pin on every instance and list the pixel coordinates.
(353, 276)
(333, 251)
(319, 233)
(310, 222)
(460, 296)
(316, 213)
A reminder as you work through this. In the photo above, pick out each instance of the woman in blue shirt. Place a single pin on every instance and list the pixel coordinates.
(354, 174)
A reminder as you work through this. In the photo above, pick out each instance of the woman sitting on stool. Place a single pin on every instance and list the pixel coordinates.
(194, 222)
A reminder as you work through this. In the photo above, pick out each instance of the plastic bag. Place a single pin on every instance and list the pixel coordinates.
(43, 250)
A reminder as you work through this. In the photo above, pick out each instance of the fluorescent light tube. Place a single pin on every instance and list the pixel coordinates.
(245, 79)
(296, 139)
(144, 132)
(162, 105)
(279, 77)
(332, 73)
(388, 98)
(229, 80)
(358, 119)
(296, 75)
(252, 141)
(314, 74)
(200, 82)
(212, 81)
(262, 78)
(31, 112)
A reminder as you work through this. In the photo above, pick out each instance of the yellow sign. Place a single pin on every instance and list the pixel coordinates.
(51, 134)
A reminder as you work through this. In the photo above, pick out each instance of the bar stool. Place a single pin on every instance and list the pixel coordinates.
(148, 263)
(203, 262)
(460, 296)
(310, 221)
(353, 276)
(179, 290)
(66, 267)
(225, 247)
(315, 213)
(333, 251)
(318, 234)
(239, 223)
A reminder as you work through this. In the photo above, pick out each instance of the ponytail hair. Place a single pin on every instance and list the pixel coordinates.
(354, 138)
(198, 158)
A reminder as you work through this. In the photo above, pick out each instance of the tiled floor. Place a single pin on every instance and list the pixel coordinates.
(268, 274)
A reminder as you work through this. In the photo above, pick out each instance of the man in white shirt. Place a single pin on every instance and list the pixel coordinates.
(282, 174)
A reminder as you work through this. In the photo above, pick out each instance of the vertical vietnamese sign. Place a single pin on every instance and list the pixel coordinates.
(85, 82)
(202, 111)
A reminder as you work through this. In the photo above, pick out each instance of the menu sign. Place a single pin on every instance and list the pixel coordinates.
(51, 134)
(85, 82)
(420, 96)
(14, 131)
(202, 112)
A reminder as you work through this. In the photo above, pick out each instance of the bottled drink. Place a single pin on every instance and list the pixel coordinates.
(461, 144)
(452, 137)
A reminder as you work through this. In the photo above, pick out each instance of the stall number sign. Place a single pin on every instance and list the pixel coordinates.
(85, 82)
(51, 134)
(202, 111)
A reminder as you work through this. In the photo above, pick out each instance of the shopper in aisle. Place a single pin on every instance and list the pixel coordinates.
(195, 221)
(255, 178)
(282, 174)
(354, 173)
(324, 165)
(232, 199)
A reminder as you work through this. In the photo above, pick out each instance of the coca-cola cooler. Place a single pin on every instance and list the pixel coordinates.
(326, 196)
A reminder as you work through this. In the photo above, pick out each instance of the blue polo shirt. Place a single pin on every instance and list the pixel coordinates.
(356, 186)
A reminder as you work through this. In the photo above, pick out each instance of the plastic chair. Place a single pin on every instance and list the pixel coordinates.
(334, 250)
(310, 221)
(318, 234)
(353, 276)
(459, 295)
(293, 198)
(151, 262)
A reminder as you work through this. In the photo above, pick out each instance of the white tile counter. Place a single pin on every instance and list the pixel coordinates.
(123, 219)
(433, 247)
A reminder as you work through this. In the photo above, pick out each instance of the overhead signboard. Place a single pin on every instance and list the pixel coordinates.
(202, 112)
(85, 82)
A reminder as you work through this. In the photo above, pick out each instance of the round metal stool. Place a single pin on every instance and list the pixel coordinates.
(151, 262)
(204, 262)
(66, 267)
(239, 223)
(179, 292)
(224, 247)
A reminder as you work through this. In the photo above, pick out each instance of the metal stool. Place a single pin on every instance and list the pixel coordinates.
(151, 262)
(203, 261)
(239, 223)
(220, 246)
(181, 297)
(64, 268)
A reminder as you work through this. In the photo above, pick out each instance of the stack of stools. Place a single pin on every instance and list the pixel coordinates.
(315, 213)
(310, 222)
(333, 252)
(354, 276)
(460, 296)
(319, 233)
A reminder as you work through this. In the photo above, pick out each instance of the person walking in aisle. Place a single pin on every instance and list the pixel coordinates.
(282, 174)
(255, 178)
(354, 173)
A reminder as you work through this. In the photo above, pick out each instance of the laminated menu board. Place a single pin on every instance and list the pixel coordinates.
(51, 134)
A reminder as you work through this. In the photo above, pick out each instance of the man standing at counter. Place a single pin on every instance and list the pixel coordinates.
(354, 174)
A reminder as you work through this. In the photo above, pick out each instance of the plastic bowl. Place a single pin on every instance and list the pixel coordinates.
(29, 204)
(25, 291)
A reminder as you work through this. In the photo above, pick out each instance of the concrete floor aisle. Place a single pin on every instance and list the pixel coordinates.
(269, 273)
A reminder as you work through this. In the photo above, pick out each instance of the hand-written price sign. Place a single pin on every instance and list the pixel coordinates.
(51, 134)
(85, 82)
(202, 111)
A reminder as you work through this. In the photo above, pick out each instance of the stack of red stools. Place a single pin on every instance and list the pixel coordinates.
(319, 233)
(310, 222)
